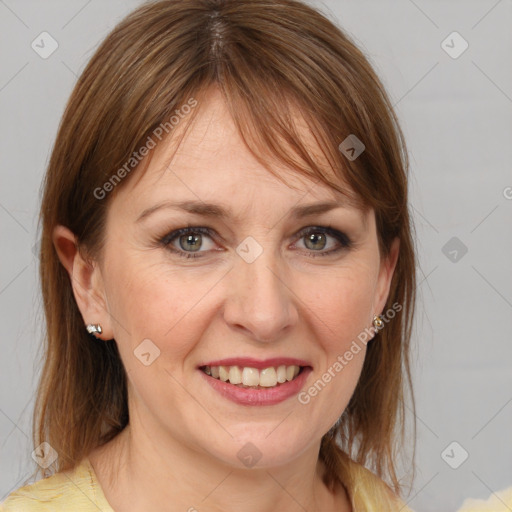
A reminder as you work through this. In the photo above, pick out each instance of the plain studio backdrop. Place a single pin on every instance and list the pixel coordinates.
(447, 66)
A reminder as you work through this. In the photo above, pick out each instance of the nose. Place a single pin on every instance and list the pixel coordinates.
(260, 302)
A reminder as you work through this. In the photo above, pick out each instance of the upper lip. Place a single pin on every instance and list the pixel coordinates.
(248, 362)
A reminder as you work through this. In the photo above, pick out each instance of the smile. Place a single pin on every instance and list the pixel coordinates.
(248, 377)
(248, 381)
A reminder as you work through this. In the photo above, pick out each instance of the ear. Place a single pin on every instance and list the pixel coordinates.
(387, 268)
(86, 281)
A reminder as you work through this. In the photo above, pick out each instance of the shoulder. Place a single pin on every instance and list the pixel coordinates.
(369, 492)
(497, 502)
(75, 489)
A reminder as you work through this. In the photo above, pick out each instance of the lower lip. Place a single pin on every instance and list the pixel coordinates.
(248, 396)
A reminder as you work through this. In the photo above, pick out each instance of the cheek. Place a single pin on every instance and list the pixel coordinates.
(150, 300)
(337, 317)
(337, 314)
(341, 308)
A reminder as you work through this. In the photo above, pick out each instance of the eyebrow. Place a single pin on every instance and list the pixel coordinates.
(216, 211)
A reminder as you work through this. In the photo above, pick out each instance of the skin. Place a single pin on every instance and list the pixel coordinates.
(180, 448)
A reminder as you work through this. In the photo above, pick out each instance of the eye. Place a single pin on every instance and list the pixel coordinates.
(193, 242)
(187, 241)
(323, 240)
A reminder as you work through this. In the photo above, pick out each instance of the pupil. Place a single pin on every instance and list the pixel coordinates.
(315, 241)
(190, 242)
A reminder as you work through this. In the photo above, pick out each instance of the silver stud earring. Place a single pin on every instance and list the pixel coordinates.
(94, 329)
(377, 322)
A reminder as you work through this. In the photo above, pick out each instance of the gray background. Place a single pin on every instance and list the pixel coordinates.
(456, 114)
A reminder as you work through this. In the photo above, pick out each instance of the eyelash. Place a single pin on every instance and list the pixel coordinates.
(342, 238)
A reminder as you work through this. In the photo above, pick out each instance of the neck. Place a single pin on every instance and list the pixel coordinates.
(168, 475)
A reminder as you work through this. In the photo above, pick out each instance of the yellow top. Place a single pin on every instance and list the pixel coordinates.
(498, 502)
(78, 490)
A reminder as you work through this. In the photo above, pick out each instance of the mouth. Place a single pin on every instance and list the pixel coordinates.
(253, 382)
(249, 377)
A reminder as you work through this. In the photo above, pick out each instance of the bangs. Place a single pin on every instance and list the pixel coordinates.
(278, 131)
(292, 104)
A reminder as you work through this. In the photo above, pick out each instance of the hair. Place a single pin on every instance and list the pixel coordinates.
(271, 59)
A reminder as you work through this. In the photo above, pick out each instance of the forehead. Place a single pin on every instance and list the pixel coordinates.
(207, 160)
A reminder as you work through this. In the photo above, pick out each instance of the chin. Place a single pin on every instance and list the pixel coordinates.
(261, 448)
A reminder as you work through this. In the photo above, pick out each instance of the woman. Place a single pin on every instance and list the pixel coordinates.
(228, 271)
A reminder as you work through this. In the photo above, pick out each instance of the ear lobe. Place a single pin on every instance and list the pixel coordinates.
(85, 277)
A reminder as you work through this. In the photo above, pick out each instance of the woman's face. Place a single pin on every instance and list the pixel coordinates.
(260, 277)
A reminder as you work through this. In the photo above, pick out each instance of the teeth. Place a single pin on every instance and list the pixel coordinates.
(223, 373)
(252, 377)
(268, 378)
(281, 374)
(235, 375)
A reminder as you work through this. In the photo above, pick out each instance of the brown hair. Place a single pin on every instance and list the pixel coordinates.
(270, 59)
